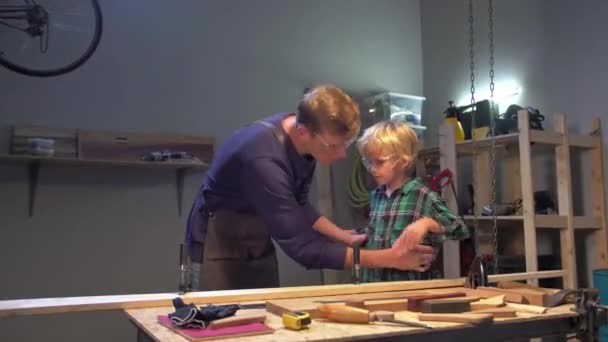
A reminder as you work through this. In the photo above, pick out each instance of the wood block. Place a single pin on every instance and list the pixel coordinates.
(449, 305)
(281, 306)
(394, 305)
(489, 303)
(527, 308)
(488, 292)
(241, 319)
(414, 303)
(503, 312)
(471, 318)
(530, 296)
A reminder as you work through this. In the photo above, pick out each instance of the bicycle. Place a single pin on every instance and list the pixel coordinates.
(72, 27)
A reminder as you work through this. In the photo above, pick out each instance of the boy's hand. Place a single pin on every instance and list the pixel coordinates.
(355, 239)
(414, 233)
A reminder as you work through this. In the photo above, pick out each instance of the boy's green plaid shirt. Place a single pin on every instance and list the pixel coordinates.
(389, 216)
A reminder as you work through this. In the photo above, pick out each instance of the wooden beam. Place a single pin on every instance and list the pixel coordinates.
(36, 306)
(585, 141)
(451, 249)
(527, 191)
(525, 276)
(564, 202)
(598, 196)
(545, 137)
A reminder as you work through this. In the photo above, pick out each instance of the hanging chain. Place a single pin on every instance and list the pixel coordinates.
(492, 139)
(473, 124)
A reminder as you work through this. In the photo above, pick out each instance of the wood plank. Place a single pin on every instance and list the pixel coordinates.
(483, 293)
(499, 312)
(518, 285)
(564, 201)
(530, 296)
(241, 318)
(511, 191)
(527, 308)
(527, 190)
(176, 164)
(447, 160)
(482, 185)
(587, 222)
(383, 290)
(584, 141)
(489, 303)
(20, 307)
(526, 276)
(546, 137)
(598, 196)
(470, 318)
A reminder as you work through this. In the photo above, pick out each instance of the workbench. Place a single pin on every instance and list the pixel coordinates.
(143, 312)
(557, 321)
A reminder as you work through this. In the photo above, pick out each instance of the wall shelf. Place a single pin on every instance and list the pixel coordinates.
(34, 162)
(86, 148)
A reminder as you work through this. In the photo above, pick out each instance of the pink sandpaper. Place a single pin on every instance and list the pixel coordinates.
(208, 333)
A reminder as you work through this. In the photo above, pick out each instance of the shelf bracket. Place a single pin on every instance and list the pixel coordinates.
(34, 168)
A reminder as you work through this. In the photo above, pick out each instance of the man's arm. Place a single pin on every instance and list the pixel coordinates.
(417, 259)
(329, 229)
(267, 185)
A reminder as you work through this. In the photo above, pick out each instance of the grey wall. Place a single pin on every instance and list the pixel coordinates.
(555, 50)
(192, 67)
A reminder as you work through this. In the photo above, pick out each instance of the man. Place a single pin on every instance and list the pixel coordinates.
(257, 190)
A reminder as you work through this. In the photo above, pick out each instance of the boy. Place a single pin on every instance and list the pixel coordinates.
(400, 202)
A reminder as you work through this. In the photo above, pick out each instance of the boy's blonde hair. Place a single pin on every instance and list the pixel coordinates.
(390, 137)
(328, 108)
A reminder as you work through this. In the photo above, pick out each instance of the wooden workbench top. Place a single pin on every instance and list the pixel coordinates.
(322, 330)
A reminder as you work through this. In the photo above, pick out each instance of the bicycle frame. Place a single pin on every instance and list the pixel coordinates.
(7, 12)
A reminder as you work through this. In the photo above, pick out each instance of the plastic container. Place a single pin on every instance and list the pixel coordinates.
(600, 281)
(388, 105)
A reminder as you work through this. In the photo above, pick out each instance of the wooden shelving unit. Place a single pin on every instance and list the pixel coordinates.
(515, 151)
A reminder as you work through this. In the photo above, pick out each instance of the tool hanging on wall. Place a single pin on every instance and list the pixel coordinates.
(492, 133)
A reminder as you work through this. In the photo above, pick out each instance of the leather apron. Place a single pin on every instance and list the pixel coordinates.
(238, 251)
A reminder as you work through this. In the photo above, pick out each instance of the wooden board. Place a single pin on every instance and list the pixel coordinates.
(529, 296)
(36, 306)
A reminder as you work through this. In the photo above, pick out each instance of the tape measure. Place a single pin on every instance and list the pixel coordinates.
(296, 320)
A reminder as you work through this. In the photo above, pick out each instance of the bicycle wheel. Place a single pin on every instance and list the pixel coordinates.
(48, 37)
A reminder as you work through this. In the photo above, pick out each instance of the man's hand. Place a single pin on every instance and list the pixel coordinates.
(414, 233)
(418, 258)
(355, 239)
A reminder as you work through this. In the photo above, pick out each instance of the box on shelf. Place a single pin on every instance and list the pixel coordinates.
(389, 105)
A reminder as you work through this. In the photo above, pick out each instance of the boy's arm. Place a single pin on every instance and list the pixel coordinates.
(329, 229)
(454, 227)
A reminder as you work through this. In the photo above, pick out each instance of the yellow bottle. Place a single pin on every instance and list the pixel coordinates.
(452, 117)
